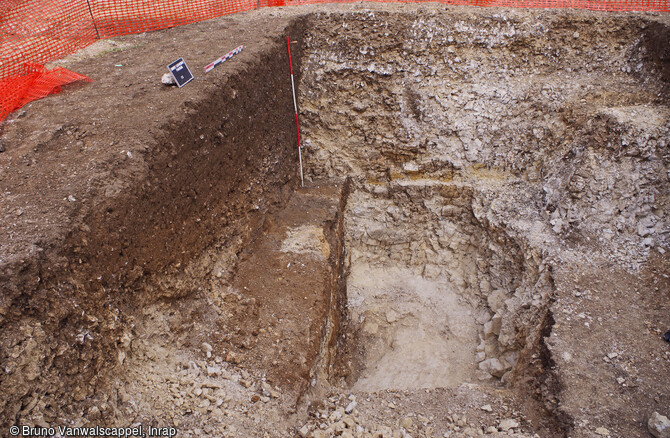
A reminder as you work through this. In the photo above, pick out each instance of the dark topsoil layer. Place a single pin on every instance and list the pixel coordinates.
(116, 182)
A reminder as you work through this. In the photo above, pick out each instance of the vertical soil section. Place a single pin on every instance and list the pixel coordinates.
(330, 365)
(487, 152)
(209, 177)
(287, 276)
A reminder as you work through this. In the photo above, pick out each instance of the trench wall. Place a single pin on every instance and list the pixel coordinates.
(479, 145)
(210, 176)
(442, 96)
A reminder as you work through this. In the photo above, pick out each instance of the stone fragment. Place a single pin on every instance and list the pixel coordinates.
(41, 422)
(510, 359)
(645, 226)
(410, 167)
(94, 413)
(123, 395)
(406, 423)
(391, 316)
(168, 79)
(659, 425)
(431, 271)
(602, 431)
(335, 416)
(304, 431)
(492, 328)
(207, 349)
(471, 432)
(507, 424)
(493, 367)
(496, 299)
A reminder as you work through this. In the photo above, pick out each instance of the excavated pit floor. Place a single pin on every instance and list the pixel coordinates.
(480, 248)
(427, 288)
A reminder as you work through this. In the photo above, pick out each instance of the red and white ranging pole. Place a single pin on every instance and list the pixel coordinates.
(224, 58)
(295, 106)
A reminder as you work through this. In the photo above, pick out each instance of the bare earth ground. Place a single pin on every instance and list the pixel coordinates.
(480, 248)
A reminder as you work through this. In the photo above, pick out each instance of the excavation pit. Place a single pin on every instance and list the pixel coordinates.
(484, 221)
(436, 297)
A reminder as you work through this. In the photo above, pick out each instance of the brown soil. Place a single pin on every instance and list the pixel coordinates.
(480, 248)
(287, 276)
(110, 192)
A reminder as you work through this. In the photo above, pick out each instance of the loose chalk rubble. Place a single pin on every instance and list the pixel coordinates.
(167, 79)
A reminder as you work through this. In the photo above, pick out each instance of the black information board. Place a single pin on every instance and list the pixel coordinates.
(180, 72)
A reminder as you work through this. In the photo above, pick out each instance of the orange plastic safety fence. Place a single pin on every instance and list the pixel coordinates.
(38, 31)
(596, 5)
(114, 18)
(33, 32)
(34, 83)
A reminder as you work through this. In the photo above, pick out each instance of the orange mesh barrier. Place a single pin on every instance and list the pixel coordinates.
(33, 32)
(38, 31)
(34, 82)
(596, 5)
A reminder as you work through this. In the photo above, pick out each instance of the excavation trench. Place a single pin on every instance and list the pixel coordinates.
(448, 158)
(476, 149)
(427, 294)
(436, 296)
